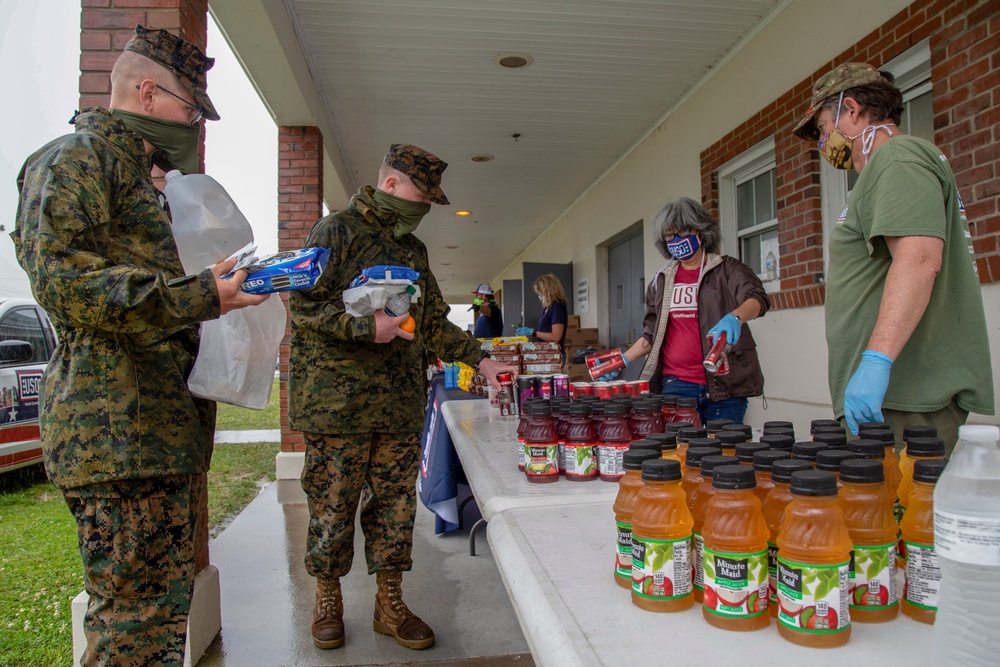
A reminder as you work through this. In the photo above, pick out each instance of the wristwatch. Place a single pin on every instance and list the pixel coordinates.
(483, 355)
(739, 319)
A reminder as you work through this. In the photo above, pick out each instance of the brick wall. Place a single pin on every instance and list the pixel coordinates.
(105, 27)
(965, 71)
(300, 205)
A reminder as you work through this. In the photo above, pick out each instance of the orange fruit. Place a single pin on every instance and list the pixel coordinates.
(409, 325)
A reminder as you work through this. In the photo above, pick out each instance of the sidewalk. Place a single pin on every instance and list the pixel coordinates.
(267, 597)
(266, 435)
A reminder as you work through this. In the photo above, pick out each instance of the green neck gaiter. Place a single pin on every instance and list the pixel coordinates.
(178, 142)
(408, 213)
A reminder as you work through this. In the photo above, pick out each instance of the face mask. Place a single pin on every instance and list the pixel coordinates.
(836, 146)
(683, 247)
(408, 213)
(176, 143)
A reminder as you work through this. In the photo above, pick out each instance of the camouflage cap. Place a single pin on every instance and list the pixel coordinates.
(848, 75)
(179, 56)
(423, 168)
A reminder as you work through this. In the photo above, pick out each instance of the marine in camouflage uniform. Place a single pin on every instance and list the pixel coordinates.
(361, 403)
(122, 437)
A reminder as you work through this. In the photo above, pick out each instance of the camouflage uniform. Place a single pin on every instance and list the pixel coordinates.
(361, 404)
(121, 435)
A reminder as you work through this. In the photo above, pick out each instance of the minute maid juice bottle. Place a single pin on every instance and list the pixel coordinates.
(661, 540)
(814, 556)
(628, 495)
(735, 556)
(773, 510)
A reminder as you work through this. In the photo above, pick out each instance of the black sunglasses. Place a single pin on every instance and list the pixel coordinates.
(199, 112)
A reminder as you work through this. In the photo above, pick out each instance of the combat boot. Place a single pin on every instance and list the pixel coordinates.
(392, 616)
(328, 616)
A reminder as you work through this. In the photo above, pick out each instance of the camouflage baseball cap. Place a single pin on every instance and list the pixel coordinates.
(848, 75)
(423, 168)
(179, 56)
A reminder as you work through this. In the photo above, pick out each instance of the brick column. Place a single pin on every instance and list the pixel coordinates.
(300, 205)
(105, 28)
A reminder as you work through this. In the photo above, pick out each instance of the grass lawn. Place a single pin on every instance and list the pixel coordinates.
(40, 571)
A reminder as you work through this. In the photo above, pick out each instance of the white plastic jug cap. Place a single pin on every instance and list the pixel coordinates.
(172, 174)
(987, 434)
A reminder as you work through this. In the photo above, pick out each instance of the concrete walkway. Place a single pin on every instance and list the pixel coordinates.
(267, 597)
(265, 435)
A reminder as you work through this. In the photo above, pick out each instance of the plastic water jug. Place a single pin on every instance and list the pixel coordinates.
(967, 542)
(207, 226)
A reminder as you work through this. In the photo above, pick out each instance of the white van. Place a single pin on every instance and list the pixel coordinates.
(27, 340)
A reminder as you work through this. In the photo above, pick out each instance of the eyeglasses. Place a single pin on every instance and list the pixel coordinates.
(199, 112)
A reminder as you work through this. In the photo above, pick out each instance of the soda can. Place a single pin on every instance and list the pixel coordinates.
(716, 361)
(505, 396)
(610, 364)
(602, 390)
(525, 388)
(560, 385)
(599, 358)
(632, 388)
(544, 387)
(643, 387)
(617, 387)
(577, 389)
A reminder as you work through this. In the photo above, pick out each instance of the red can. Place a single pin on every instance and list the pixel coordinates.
(632, 388)
(577, 389)
(643, 387)
(602, 390)
(544, 387)
(617, 387)
(717, 361)
(560, 385)
(599, 358)
(505, 397)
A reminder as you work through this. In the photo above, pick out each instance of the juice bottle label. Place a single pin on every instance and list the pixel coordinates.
(581, 459)
(967, 539)
(609, 458)
(873, 578)
(736, 584)
(561, 456)
(520, 453)
(661, 569)
(540, 460)
(813, 598)
(623, 562)
(923, 576)
(697, 560)
(772, 573)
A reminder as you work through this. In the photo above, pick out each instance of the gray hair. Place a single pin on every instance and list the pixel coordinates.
(686, 215)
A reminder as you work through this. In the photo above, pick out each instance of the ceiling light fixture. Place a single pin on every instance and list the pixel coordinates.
(482, 157)
(513, 60)
(463, 213)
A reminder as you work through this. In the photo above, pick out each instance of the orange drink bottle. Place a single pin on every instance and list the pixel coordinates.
(735, 556)
(713, 426)
(871, 523)
(917, 448)
(778, 441)
(778, 425)
(833, 440)
(773, 510)
(728, 441)
(814, 557)
(829, 460)
(698, 506)
(692, 472)
(923, 576)
(668, 443)
(807, 450)
(661, 540)
(745, 429)
(746, 450)
(628, 493)
(762, 462)
(686, 435)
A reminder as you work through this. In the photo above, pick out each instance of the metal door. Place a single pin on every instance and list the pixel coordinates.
(626, 297)
(511, 307)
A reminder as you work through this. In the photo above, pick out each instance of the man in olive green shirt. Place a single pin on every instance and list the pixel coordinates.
(905, 323)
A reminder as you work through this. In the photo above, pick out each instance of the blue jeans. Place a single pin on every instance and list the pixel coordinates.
(734, 408)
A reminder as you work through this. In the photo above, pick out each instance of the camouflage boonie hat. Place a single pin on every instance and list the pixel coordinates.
(179, 56)
(848, 75)
(423, 168)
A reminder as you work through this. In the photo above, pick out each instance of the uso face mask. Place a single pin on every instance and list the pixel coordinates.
(683, 247)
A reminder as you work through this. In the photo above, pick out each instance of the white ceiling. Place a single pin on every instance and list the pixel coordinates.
(423, 72)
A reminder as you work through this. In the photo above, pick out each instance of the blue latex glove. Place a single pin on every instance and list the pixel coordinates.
(608, 377)
(728, 324)
(866, 390)
(524, 331)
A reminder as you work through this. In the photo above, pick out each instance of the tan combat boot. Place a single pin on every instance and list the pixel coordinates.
(393, 618)
(328, 616)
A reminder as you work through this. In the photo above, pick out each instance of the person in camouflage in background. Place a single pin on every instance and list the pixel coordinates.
(122, 437)
(357, 390)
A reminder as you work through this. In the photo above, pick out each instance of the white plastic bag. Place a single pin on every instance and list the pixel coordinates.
(237, 356)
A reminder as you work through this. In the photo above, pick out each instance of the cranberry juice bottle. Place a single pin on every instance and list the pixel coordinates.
(613, 439)
(541, 446)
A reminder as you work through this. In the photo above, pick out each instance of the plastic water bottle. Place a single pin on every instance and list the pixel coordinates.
(967, 542)
(207, 225)
(400, 303)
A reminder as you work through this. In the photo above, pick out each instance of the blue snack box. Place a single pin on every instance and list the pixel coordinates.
(285, 271)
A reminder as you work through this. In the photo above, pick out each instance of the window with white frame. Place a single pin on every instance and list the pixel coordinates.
(748, 211)
(912, 71)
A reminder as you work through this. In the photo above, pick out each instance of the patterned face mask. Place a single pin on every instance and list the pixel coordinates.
(835, 147)
(683, 247)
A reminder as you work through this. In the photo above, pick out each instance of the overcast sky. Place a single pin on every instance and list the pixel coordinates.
(39, 69)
